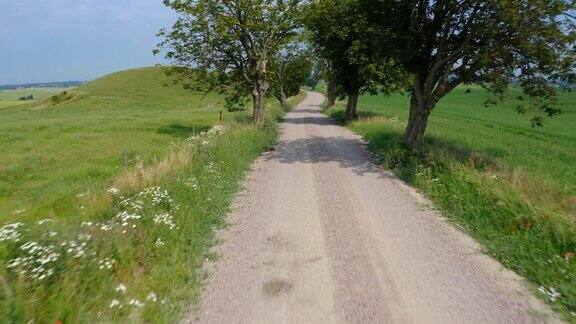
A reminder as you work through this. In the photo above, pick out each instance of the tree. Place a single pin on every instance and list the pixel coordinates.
(291, 69)
(446, 43)
(348, 44)
(332, 87)
(315, 76)
(227, 45)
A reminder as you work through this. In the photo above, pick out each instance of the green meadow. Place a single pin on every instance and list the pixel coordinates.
(54, 153)
(10, 98)
(511, 186)
(110, 195)
(548, 154)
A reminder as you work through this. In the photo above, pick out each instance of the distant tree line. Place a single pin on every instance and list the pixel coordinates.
(59, 84)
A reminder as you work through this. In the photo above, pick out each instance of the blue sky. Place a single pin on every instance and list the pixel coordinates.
(60, 40)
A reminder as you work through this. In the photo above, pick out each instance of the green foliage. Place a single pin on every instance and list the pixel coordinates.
(491, 43)
(295, 73)
(318, 66)
(291, 69)
(353, 60)
(64, 96)
(227, 46)
(348, 43)
(28, 97)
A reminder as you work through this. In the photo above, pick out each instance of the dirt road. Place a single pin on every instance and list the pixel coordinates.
(322, 235)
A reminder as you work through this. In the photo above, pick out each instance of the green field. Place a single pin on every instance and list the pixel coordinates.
(109, 200)
(53, 154)
(513, 187)
(10, 98)
(548, 153)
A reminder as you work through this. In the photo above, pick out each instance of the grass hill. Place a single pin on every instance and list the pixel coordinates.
(109, 200)
(54, 153)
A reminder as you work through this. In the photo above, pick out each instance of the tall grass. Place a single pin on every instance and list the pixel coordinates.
(149, 234)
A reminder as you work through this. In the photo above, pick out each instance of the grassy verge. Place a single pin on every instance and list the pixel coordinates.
(522, 217)
(133, 251)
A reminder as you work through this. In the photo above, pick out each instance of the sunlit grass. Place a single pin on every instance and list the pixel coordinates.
(10, 98)
(50, 155)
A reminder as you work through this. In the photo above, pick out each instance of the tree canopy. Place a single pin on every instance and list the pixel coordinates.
(227, 45)
(492, 43)
(429, 47)
(291, 68)
(348, 43)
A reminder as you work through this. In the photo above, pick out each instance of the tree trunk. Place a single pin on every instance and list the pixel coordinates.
(351, 113)
(419, 112)
(330, 88)
(315, 78)
(331, 96)
(259, 101)
(281, 96)
(331, 103)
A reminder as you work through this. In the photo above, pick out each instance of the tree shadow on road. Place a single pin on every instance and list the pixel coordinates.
(346, 152)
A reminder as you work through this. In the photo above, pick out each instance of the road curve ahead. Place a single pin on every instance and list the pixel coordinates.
(322, 235)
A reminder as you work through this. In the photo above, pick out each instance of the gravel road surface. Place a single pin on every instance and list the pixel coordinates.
(323, 235)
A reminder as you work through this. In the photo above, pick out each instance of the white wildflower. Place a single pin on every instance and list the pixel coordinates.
(135, 302)
(84, 237)
(190, 182)
(114, 191)
(157, 195)
(10, 232)
(44, 221)
(133, 204)
(18, 211)
(551, 292)
(152, 297)
(36, 260)
(165, 219)
(159, 243)
(106, 263)
(114, 303)
(76, 249)
(125, 218)
(121, 288)
(216, 130)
